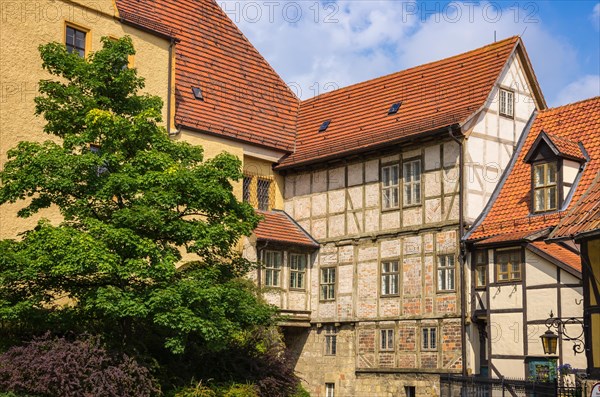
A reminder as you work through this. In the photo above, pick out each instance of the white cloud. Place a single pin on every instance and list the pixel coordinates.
(316, 46)
(596, 16)
(585, 87)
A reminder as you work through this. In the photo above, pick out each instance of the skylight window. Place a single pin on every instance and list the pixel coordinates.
(197, 93)
(324, 126)
(395, 107)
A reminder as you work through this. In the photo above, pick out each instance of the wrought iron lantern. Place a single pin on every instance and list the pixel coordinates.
(550, 339)
(549, 342)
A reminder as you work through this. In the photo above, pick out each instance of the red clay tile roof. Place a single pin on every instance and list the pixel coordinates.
(560, 253)
(566, 147)
(277, 226)
(584, 217)
(510, 212)
(433, 96)
(244, 99)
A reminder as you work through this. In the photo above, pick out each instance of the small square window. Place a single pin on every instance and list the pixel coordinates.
(75, 41)
(258, 191)
(506, 103)
(446, 272)
(386, 339)
(330, 341)
(297, 271)
(508, 265)
(328, 283)
(429, 339)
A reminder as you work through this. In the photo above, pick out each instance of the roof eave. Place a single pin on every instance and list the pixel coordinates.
(367, 149)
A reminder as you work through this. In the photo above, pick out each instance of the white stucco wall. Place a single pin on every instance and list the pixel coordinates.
(492, 138)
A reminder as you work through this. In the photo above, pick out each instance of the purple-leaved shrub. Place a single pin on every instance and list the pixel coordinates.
(51, 366)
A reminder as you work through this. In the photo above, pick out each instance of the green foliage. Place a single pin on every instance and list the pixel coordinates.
(199, 390)
(130, 208)
(301, 392)
(240, 390)
(227, 390)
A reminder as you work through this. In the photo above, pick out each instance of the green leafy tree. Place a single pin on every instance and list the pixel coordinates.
(132, 201)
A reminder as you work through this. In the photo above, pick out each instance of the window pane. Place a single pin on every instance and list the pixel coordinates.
(539, 200)
(246, 188)
(417, 192)
(552, 198)
(433, 338)
(394, 284)
(551, 173)
(263, 190)
(425, 338)
(539, 175)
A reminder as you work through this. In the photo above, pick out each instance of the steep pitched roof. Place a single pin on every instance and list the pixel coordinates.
(434, 96)
(244, 99)
(510, 212)
(584, 217)
(559, 145)
(279, 227)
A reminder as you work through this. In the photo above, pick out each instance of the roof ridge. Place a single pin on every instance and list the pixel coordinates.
(568, 105)
(500, 43)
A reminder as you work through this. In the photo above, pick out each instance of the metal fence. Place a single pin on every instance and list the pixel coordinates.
(471, 386)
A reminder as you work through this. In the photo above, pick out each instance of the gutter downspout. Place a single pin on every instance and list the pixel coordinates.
(170, 90)
(462, 250)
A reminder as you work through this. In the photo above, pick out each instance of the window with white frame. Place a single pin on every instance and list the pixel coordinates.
(412, 182)
(329, 389)
(389, 278)
(446, 272)
(272, 263)
(330, 341)
(297, 271)
(506, 103)
(386, 339)
(429, 338)
(389, 186)
(328, 283)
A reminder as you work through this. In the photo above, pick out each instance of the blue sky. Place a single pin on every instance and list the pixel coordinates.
(318, 46)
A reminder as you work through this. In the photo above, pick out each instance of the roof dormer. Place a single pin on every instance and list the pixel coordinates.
(556, 165)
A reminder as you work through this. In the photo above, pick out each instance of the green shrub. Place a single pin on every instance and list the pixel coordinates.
(301, 392)
(199, 390)
(241, 390)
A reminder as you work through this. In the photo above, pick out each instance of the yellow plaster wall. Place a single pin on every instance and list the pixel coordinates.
(256, 166)
(27, 24)
(593, 247)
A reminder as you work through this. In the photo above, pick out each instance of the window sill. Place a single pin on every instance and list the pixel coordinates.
(410, 206)
(327, 300)
(507, 116)
(391, 209)
(389, 296)
(297, 289)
